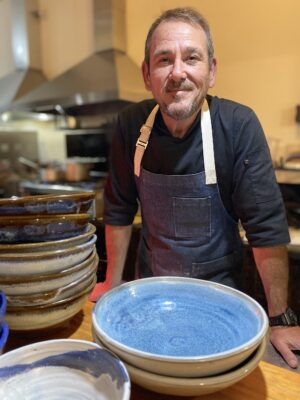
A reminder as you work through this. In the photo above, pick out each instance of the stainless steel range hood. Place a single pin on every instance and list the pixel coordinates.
(107, 77)
(20, 57)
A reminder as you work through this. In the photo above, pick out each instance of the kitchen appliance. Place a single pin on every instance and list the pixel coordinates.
(108, 78)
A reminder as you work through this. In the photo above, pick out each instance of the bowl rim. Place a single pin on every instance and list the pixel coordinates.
(10, 355)
(42, 218)
(179, 359)
(15, 279)
(91, 229)
(85, 279)
(48, 254)
(46, 197)
(246, 366)
(233, 375)
(62, 302)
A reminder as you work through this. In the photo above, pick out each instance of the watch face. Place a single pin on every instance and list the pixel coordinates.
(291, 317)
(288, 318)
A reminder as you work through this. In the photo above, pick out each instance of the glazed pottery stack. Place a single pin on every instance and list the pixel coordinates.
(3, 324)
(48, 259)
(65, 369)
(181, 336)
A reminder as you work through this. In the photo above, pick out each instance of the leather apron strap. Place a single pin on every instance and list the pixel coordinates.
(143, 139)
(207, 139)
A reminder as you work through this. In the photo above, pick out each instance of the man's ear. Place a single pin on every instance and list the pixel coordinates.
(146, 75)
(212, 73)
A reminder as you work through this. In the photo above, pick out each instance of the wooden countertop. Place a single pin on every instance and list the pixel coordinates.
(266, 382)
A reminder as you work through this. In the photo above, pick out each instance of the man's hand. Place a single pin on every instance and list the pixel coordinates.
(286, 339)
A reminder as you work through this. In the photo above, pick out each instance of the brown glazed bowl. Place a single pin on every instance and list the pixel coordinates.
(31, 228)
(52, 245)
(73, 203)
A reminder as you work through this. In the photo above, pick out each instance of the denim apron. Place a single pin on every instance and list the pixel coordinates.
(186, 229)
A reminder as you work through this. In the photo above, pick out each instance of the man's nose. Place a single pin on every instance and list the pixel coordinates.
(178, 70)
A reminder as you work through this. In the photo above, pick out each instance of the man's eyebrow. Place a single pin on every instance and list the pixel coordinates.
(161, 52)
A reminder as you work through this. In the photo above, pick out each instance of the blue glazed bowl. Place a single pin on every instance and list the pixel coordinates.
(3, 306)
(179, 326)
(3, 336)
(63, 369)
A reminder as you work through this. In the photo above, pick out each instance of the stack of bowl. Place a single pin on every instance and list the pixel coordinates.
(3, 323)
(48, 258)
(181, 336)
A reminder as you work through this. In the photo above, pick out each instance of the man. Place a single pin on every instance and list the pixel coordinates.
(199, 165)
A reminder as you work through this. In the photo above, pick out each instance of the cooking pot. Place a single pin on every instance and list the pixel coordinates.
(46, 173)
(78, 170)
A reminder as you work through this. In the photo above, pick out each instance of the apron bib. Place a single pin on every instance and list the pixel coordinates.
(186, 230)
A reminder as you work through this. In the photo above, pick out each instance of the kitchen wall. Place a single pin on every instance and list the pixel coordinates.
(258, 53)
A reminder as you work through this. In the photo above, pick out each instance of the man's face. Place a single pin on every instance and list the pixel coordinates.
(179, 75)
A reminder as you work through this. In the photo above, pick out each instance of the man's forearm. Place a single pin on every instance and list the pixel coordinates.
(272, 264)
(117, 240)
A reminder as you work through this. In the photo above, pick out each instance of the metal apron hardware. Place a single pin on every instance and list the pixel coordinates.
(186, 229)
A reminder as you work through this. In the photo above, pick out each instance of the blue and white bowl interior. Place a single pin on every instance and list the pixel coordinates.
(63, 369)
(179, 318)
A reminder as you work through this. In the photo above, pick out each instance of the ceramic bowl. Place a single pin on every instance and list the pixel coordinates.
(50, 245)
(4, 331)
(49, 315)
(73, 203)
(196, 386)
(49, 297)
(63, 369)
(39, 263)
(3, 306)
(38, 284)
(177, 386)
(180, 327)
(31, 228)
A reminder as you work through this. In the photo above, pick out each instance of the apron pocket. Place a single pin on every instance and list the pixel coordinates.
(192, 218)
(212, 269)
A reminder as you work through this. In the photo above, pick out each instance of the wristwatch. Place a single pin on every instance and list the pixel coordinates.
(288, 318)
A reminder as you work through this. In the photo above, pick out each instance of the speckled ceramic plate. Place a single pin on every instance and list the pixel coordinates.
(179, 326)
(63, 369)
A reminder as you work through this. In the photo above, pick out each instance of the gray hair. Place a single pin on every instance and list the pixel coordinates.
(188, 15)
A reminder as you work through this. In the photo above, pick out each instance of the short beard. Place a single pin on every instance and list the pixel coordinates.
(184, 113)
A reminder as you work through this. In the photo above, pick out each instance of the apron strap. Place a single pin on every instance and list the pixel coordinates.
(143, 139)
(207, 139)
(208, 145)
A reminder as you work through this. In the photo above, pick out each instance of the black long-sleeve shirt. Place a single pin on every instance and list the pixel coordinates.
(244, 169)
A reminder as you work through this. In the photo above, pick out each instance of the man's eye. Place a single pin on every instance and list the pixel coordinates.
(192, 59)
(164, 60)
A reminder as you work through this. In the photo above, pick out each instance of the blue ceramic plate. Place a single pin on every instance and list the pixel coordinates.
(179, 318)
(63, 369)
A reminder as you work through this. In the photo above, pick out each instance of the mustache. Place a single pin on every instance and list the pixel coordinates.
(174, 85)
